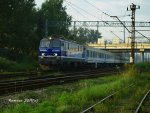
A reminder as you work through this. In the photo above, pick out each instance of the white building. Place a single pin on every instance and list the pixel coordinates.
(128, 40)
(101, 41)
(116, 40)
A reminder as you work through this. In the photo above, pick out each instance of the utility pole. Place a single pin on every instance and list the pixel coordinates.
(46, 29)
(133, 7)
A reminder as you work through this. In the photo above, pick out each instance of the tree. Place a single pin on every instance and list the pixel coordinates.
(84, 35)
(18, 25)
(22, 25)
(58, 19)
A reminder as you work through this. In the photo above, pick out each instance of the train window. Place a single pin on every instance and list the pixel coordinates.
(90, 53)
(62, 43)
(94, 54)
(71, 46)
(76, 47)
(87, 53)
(81, 48)
(103, 56)
(99, 55)
(55, 43)
(44, 43)
(68, 46)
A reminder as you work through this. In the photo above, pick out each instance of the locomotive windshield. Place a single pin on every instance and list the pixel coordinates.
(55, 43)
(50, 43)
(44, 43)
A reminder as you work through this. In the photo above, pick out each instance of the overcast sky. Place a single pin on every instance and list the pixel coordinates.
(83, 10)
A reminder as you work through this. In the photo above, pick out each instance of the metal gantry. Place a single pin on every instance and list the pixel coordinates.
(98, 24)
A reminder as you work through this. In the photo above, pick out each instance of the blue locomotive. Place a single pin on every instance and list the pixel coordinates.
(58, 52)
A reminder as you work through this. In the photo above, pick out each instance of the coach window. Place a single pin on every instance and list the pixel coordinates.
(68, 46)
(62, 46)
(78, 48)
(103, 56)
(72, 47)
(94, 54)
(87, 53)
(81, 48)
(65, 46)
(90, 54)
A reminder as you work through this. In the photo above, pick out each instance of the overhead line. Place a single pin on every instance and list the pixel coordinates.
(77, 11)
(121, 23)
(116, 35)
(143, 35)
(86, 11)
(97, 8)
(101, 12)
(90, 14)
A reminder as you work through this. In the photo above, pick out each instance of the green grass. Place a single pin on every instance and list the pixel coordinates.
(24, 65)
(75, 97)
(144, 67)
(128, 99)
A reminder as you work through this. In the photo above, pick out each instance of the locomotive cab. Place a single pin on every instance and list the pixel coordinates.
(50, 47)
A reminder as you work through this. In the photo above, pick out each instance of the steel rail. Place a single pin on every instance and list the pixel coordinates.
(143, 99)
(102, 100)
(33, 74)
(11, 87)
(60, 75)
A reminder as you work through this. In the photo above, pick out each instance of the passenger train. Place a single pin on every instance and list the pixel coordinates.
(56, 52)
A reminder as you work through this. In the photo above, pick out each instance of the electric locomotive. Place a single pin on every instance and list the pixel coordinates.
(54, 52)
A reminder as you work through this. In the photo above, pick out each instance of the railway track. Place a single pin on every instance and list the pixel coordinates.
(144, 105)
(107, 98)
(35, 74)
(8, 87)
(17, 74)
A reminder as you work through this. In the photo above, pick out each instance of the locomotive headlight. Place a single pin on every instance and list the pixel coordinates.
(55, 54)
(43, 54)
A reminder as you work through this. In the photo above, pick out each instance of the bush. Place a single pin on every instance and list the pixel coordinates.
(143, 67)
(8, 65)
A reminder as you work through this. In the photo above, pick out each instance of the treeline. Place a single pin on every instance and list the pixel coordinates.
(22, 25)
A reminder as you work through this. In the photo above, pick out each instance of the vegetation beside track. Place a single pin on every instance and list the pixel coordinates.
(75, 97)
(26, 64)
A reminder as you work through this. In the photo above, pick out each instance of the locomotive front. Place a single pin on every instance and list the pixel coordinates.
(49, 53)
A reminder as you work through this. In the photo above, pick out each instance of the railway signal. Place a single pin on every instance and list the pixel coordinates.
(133, 8)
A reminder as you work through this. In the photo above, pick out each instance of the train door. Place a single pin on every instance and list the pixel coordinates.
(63, 48)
